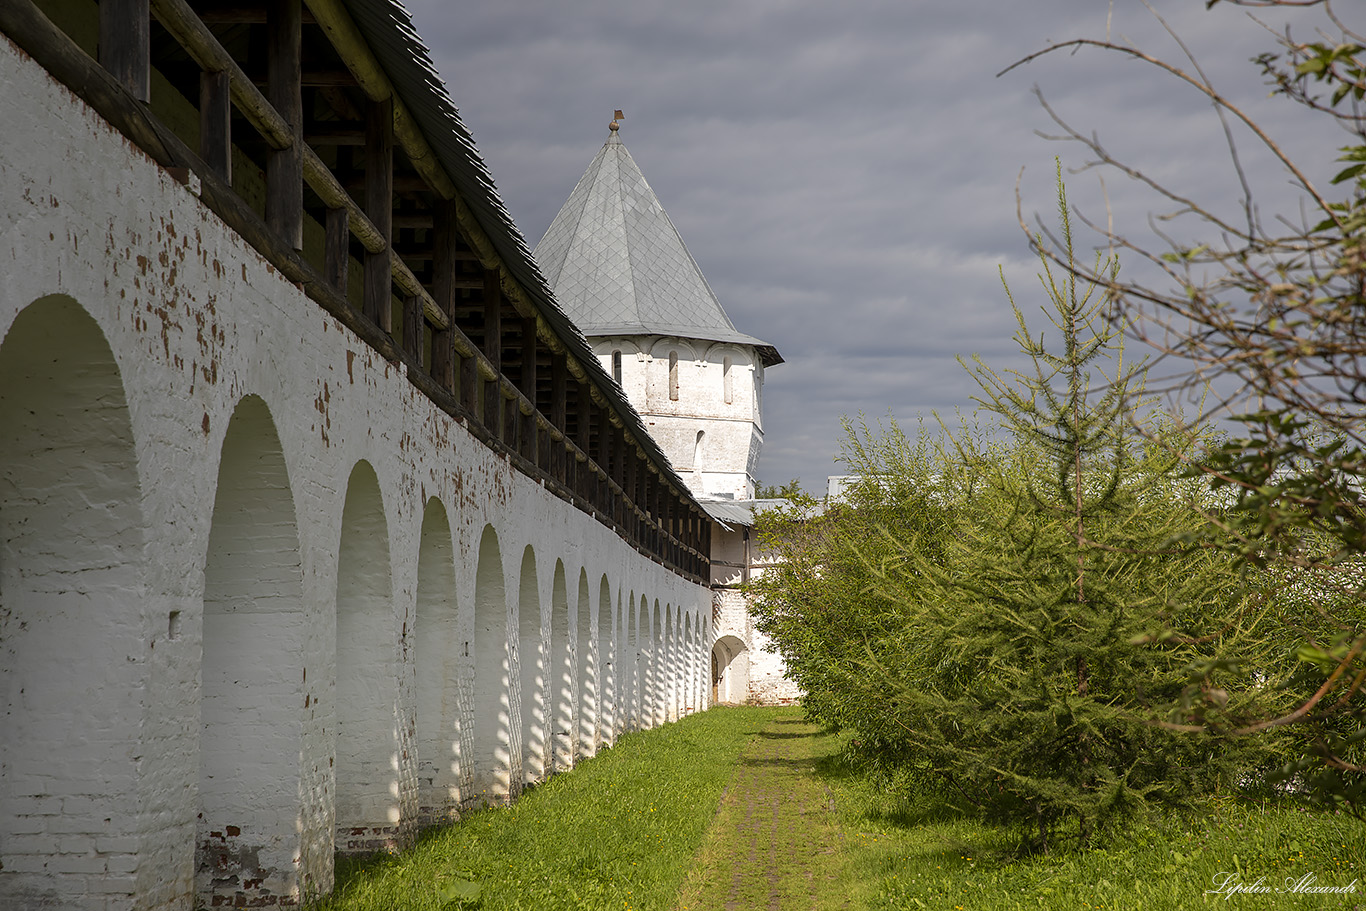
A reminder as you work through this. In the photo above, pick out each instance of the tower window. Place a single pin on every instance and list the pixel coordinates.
(616, 367)
(726, 380)
(673, 376)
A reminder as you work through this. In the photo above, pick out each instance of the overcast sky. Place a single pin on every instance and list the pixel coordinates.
(844, 173)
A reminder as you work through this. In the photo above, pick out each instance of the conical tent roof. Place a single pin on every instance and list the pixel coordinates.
(619, 267)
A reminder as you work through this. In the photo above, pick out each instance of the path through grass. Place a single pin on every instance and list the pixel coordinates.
(775, 844)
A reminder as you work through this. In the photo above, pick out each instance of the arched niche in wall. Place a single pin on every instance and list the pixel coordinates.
(253, 693)
(659, 665)
(670, 664)
(492, 740)
(590, 678)
(627, 664)
(607, 664)
(673, 375)
(531, 657)
(619, 357)
(367, 802)
(644, 660)
(73, 622)
(689, 667)
(441, 652)
(564, 628)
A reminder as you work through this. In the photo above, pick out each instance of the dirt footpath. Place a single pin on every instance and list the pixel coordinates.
(774, 845)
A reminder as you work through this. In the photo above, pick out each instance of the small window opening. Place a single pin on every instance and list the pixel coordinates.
(673, 376)
(697, 451)
(727, 381)
(616, 367)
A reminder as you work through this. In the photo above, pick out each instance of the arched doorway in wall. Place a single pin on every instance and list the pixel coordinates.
(531, 662)
(73, 623)
(367, 802)
(439, 655)
(729, 671)
(490, 773)
(251, 680)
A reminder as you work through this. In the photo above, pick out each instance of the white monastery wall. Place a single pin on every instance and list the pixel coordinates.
(260, 599)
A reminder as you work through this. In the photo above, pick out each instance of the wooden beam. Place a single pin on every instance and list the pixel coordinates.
(379, 208)
(215, 122)
(241, 15)
(403, 183)
(284, 167)
(318, 78)
(126, 45)
(335, 135)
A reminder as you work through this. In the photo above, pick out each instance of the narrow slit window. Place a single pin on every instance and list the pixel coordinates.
(673, 376)
(616, 367)
(727, 381)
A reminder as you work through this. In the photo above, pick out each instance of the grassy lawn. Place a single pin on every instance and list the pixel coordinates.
(619, 832)
(912, 855)
(732, 809)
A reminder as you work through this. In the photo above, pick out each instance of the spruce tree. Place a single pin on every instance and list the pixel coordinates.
(1042, 706)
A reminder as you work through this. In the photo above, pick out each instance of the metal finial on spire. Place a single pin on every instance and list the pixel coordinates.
(614, 126)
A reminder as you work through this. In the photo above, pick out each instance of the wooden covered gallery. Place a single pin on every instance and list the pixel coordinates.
(315, 131)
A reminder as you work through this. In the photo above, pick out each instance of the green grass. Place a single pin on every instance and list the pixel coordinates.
(919, 854)
(618, 832)
(638, 827)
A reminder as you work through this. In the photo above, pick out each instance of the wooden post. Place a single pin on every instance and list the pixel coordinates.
(379, 208)
(493, 348)
(614, 472)
(512, 424)
(559, 384)
(469, 384)
(413, 324)
(215, 122)
(285, 167)
(337, 255)
(126, 44)
(528, 440)
(443, 292)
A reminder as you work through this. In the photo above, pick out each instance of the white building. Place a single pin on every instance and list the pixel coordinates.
(621, 271)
